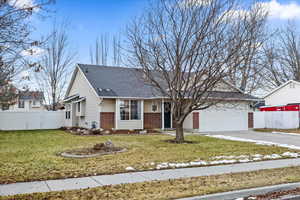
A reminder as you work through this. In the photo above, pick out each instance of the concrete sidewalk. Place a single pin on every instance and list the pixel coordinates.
(135, 177)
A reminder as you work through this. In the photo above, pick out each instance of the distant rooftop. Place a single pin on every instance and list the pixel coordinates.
(31, 95)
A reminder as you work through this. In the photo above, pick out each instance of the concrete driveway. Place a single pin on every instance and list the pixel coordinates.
(263, 136)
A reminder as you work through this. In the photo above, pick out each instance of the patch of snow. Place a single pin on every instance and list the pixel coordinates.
(290, 154)
(242, 156)
(244, 160)
(257, 155)
(129, 169)
(217, 160)
(196, 163)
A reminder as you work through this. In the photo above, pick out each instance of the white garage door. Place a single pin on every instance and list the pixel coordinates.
(219, 121)
(223, 121)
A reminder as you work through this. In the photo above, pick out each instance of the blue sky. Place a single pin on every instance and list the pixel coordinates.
(88, 19)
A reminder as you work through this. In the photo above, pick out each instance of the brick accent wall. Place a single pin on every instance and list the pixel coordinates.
(107, 120)
(196, 120)
(152, 120)
(250, 120)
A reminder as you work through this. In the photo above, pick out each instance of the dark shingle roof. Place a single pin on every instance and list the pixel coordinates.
(117, 81)
(128, 82)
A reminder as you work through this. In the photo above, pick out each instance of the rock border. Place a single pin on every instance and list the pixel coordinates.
(69, 155)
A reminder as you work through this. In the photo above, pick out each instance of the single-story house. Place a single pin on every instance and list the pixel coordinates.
(287, 93)
(119, 98)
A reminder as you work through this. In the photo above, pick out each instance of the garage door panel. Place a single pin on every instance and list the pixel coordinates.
(223, 121)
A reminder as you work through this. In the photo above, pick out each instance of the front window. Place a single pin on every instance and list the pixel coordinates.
(68, 114)
(21, 104)
(130, 110)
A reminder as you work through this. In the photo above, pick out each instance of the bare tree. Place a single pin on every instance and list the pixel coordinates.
(282, 57)
(55, 66)
(15, 29)
(185, 49)
(116, 51)
(99, 55)
(247, 76)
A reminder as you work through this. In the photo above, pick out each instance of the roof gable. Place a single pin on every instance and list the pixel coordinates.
(74, 75)
(281, 86)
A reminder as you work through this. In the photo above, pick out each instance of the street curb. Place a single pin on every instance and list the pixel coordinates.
(239, 194)
(284, 133)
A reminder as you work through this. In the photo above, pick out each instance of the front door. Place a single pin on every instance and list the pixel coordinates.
(167, 114)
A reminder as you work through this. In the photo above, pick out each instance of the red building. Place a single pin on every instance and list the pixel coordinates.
(288, 107)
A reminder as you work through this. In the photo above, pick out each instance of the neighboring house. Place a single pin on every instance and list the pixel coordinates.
(118, 98)
(26, 101)
(287, 93)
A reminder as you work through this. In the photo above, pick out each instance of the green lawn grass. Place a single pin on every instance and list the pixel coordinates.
(32, 155)
(173, 189)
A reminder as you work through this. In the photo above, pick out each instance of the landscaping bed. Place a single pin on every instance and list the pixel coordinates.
(99, 149)
(85, 131)
(33, 155)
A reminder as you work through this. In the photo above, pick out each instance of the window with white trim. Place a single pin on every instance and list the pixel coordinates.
(130, 110)
(68, 114)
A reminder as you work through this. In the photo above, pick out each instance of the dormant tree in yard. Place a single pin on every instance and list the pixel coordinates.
(15, 29)
(100, 53)
(186, 48)
(282, 57)
(247, 76)
(55, 66)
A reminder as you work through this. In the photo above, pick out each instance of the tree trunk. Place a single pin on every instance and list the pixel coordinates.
(179, 133)
(53, 102)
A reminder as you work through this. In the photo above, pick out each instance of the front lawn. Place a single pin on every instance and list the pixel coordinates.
(297, 130)
(32, 155)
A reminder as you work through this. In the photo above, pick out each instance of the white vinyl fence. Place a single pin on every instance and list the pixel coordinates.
(276, 119)
(11, 120)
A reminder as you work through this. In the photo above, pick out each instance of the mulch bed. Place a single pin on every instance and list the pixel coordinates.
(275, 195)
(97, 150)
(90, 151)
(87, 132)
(185, 142)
